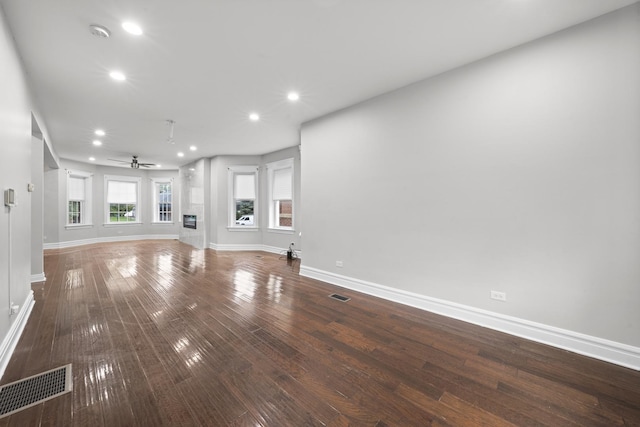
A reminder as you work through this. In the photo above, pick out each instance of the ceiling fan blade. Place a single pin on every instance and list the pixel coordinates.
(121, 161)
(146, 165)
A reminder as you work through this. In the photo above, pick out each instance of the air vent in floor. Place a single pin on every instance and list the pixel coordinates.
(339, 297)
(28, 392)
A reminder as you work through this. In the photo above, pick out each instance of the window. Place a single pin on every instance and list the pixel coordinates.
(123, 194)
(281, 194)
(243, 204)
(162, 200)
(78, 198)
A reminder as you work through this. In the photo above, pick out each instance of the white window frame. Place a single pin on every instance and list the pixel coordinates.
(155, 183)
(272, 168)
(134, 179)
(86, 216)
(231, 174)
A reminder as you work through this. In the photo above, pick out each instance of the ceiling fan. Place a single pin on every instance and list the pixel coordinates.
(134, 163)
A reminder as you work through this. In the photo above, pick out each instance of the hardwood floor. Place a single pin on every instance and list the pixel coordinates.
(160, 334)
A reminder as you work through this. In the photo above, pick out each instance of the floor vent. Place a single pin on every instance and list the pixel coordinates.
(339, 297)
(30, 391)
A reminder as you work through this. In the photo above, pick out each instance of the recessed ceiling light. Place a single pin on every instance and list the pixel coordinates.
(100, 132)
(192, 169)
(97, 143)
(158, 166)
(93, 159)
(132, 28)
(180, 154)
(99, 30)
(193, 148)
(254, 117)
(117, 75)
(293, 96)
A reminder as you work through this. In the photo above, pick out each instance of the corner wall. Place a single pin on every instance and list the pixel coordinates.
(15, 173)
(519, 173)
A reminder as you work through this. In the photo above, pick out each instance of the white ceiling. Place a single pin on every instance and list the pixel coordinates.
(207, 64)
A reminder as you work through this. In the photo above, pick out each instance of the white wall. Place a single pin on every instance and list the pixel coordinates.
(519, 173)
(15, 172)
(56, 232)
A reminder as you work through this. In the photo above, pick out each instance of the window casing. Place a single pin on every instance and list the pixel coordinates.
(162, 190)
(281, 195)
(122, 195)
(79, 186)
(243, 201)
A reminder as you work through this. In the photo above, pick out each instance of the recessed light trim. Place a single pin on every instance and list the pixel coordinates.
(180, 154)
(97, 143)
(118, 76)
(100, 132)
(254, 117)
(99, 31)
(293, 96)
(132, 28)
(193, 148)
(92, 159)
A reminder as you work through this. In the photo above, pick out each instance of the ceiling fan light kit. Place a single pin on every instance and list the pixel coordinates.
(134, 163)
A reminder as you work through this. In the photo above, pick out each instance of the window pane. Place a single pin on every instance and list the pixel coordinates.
(122, 212)
(285, 213)
(163, 206)
(244, 207)
(75, 211)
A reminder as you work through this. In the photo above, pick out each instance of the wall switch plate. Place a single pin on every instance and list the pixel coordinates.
(500, 296)
(339, 264)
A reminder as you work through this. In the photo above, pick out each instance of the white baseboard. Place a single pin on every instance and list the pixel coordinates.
(72, 243)
(263, 248)
(35, 278)
(598, 348)
(15, 331)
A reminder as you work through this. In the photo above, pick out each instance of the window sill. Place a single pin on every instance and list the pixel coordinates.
(120, 224)
(281, 230)
(163, 223)
(77, 226)
(243, 228)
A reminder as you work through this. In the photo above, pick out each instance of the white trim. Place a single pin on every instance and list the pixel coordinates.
(232, 171)
(35, 278)
(262, 248)
(235, 247)
(154, 198)
(139, 208)
(598, 348)
(15, 331)
(77, 226)
(243, 228)
(72, 243)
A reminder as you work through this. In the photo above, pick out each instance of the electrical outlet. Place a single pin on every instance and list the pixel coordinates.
(500, 296)
(339, 264)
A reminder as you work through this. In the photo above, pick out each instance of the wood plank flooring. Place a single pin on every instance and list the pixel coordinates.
(161, 334)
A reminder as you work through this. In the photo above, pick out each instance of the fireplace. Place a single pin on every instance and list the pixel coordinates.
(189, 221)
